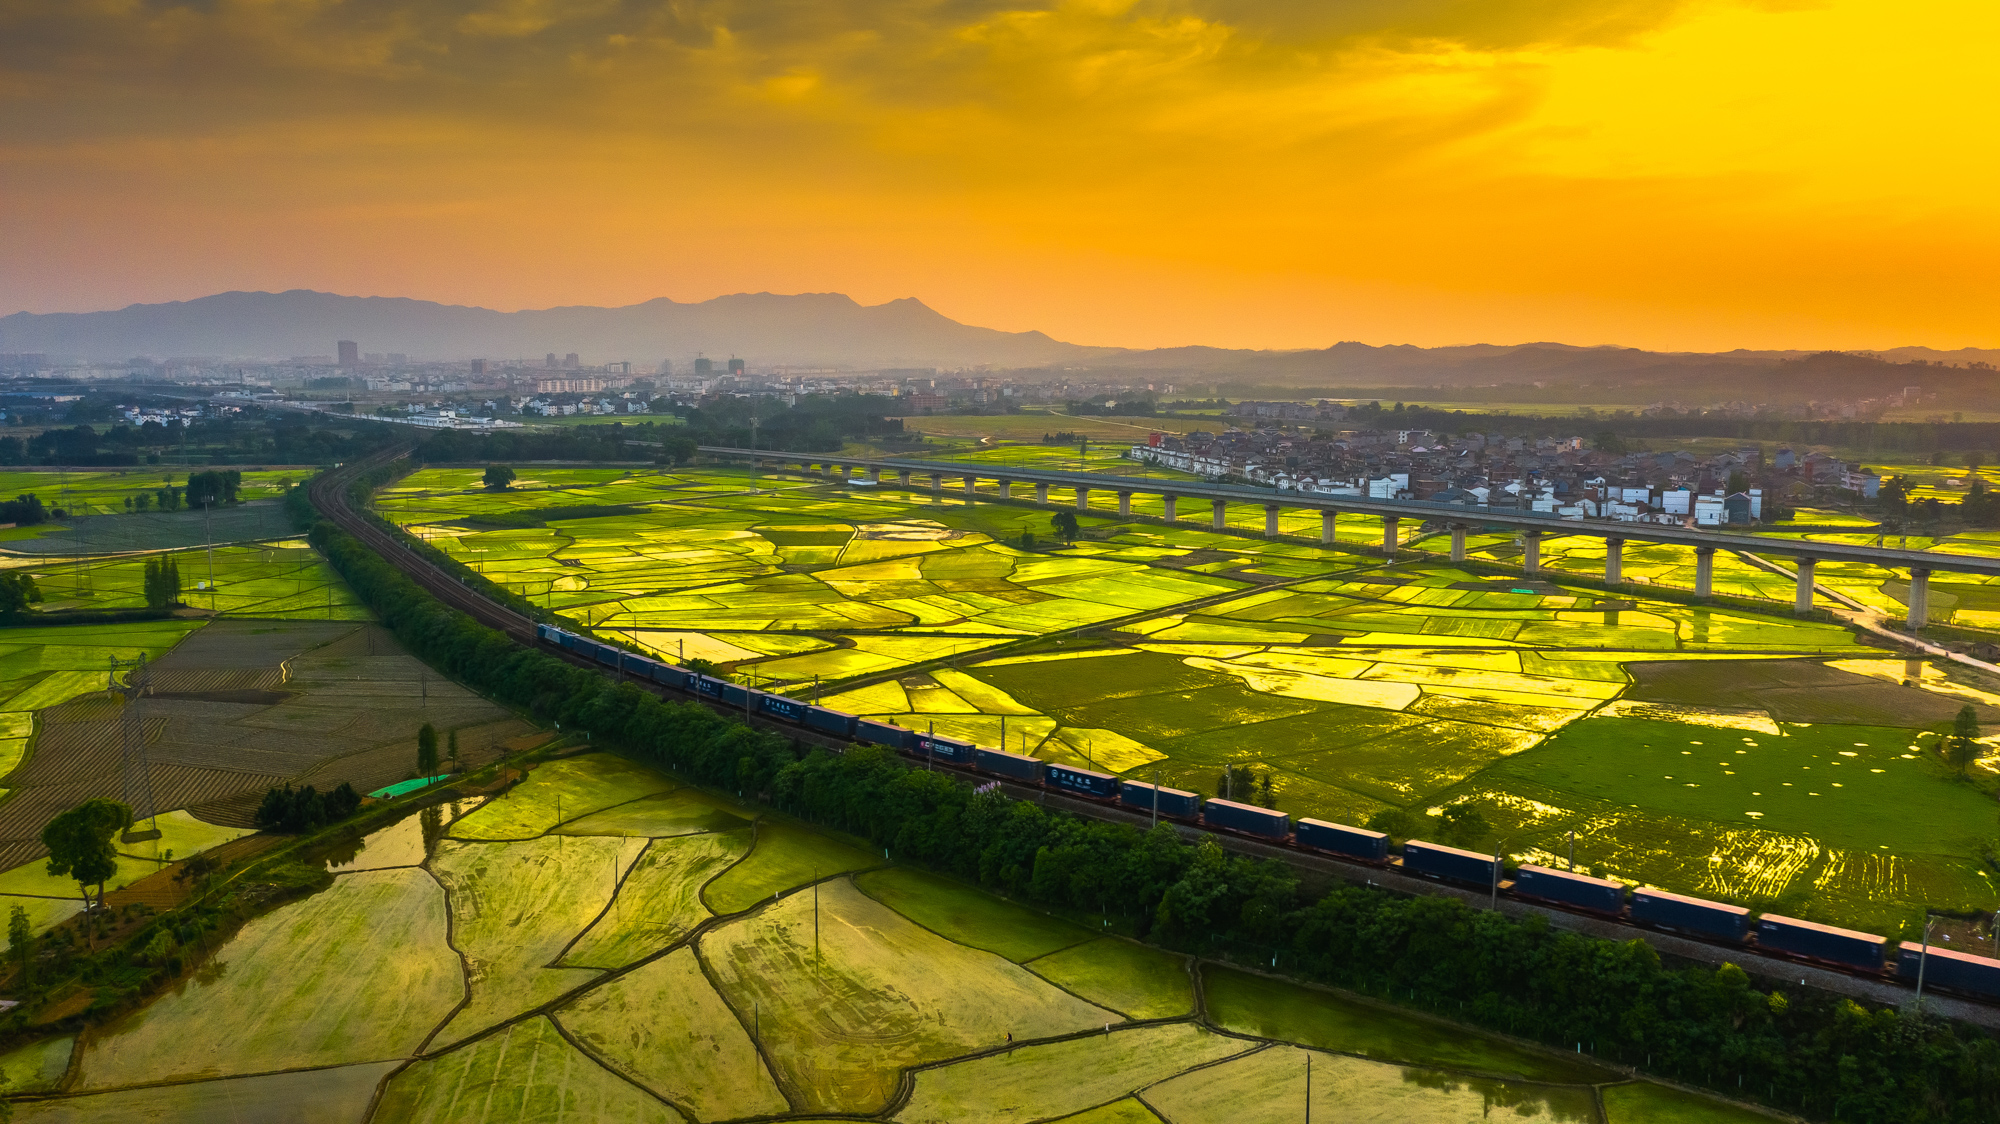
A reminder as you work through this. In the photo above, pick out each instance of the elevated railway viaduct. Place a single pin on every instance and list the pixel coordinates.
(1087, 487)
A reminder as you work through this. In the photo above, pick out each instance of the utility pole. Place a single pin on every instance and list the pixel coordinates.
(1572, 851)
(1495, 906)
(207, 534)
(1156, 794)
(1309, 1089)
(1923, 957)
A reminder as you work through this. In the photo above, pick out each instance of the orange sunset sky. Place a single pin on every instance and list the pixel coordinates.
(1269, 173)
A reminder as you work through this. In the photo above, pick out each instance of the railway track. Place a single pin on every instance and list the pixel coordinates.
(328, 493)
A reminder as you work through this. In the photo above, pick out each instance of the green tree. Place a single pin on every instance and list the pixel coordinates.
(1893, 494)
(162, 582)
(677, 448)
(498, 476)
(79, 843)
(213, 488)
(1397, 823)
(1609, 442)
(21, 945)
(427, 751)
(705, 667)
(1463, 826)
(1739, 481)
(17, 592)
(1065, 524)
(1964, 739)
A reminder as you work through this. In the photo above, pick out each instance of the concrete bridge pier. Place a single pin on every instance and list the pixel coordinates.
(903, 477)
(1006, 489)
(971, 486)
(1083, 499)
(1920, 599)
(1531, 552)
(1803, 599)
(1458, 544)
(1220, 518)
(1271, 520)
(1168, 502)
(937, 485)
(1392, 534)
(1125, 505)
(1041, 493)
(1326, 526)
(875, 474)
(1614, 561)
(1704, 571)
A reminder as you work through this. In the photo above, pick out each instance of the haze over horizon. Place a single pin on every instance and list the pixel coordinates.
(1696, 175)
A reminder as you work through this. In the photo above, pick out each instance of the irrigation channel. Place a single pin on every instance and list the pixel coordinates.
(329, 494)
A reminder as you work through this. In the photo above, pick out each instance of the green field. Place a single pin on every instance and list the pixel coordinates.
(1207, 661)
(890, 993)
(103, 491)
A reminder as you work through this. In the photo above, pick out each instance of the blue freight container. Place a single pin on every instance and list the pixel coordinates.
(931, 747)
(1248, 818)
(1689, 915)
(1440, 861)
(1978, 975)
(1820, 942)
(882, 733)
(1069, 778)
(703, 685)
(1599, 895)
(639, 665)
(1008, 764)
(668, 675)
(548, 632)
(777, 706)
(832, 721)
(1355, 842)
(1173, 801)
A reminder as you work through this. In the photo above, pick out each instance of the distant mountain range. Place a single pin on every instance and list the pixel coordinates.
(832, 330)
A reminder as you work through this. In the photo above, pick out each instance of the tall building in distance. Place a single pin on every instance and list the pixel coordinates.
(570, 361)
(350, 353)
(736, 366)
(550, 362)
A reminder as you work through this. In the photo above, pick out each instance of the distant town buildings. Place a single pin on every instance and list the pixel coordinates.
(1558, 476)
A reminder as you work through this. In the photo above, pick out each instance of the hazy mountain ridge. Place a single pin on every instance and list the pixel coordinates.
(831, 329)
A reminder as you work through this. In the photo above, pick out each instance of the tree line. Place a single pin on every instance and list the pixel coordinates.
(1808, 1052)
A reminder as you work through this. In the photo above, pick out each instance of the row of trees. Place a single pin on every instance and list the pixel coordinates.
(1808, 1051)
(162, 582)
(289, 809)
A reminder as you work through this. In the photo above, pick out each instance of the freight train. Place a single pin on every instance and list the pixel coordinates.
(1975, 976)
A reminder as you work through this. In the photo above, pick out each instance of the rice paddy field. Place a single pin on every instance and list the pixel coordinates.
(1351, 685)
(104, 491)
(281, 577)
(428, 986)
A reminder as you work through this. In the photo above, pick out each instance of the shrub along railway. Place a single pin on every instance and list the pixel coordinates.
(1810, 1051)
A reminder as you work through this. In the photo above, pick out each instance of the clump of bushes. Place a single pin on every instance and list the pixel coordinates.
(296, 810)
